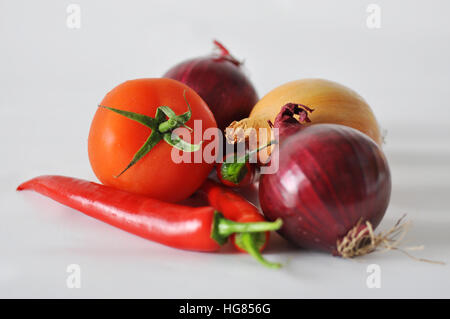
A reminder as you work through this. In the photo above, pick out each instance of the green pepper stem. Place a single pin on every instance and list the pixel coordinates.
(249, 236)
(246, 157)
(233, 172)
(236, 171)
(248, 242)
(222, 228)
(227, 227)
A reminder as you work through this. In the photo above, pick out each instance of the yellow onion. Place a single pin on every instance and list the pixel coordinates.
(332, 103)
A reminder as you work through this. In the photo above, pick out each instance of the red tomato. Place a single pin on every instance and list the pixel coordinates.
(114, 139)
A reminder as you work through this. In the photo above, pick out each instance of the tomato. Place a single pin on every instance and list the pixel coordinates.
(114, 139)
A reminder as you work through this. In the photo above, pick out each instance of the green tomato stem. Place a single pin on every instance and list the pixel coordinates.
(168, 125)
(161, 130)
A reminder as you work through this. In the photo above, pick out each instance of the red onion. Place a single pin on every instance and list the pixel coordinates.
(219, 80)
(332, 188)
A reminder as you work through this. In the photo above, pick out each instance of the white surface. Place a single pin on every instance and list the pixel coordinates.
(52, 77)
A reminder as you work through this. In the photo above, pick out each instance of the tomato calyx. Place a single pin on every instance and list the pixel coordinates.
(162, 126)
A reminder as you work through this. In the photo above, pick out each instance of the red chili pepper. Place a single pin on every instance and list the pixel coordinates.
(234, 174)
(238, 209)
(237, 171)
(192, 228)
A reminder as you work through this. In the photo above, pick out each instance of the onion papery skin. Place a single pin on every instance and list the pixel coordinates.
(221, 83)
(332, 102)
(330, 177)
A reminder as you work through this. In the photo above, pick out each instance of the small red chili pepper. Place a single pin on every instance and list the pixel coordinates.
(184, 227)
(236, 208)
(237, 171)
(234, 174)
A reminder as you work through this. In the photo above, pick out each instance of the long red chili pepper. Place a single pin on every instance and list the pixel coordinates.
(235, 207)
(192, 228)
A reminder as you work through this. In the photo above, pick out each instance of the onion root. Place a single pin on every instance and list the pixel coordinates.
(362, 240)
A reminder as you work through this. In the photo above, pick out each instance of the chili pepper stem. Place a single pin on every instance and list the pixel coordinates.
(246, 157)
(223, 228)
(248, 242)
(235, 172)
(247, 232)
(227, 227)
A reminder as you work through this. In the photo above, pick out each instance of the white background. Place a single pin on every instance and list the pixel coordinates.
(52, 77)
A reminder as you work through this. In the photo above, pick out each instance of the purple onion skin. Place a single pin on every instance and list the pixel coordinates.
(221, 83)
(330, 176)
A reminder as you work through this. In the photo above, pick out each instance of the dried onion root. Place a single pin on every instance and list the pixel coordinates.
(361, 240)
